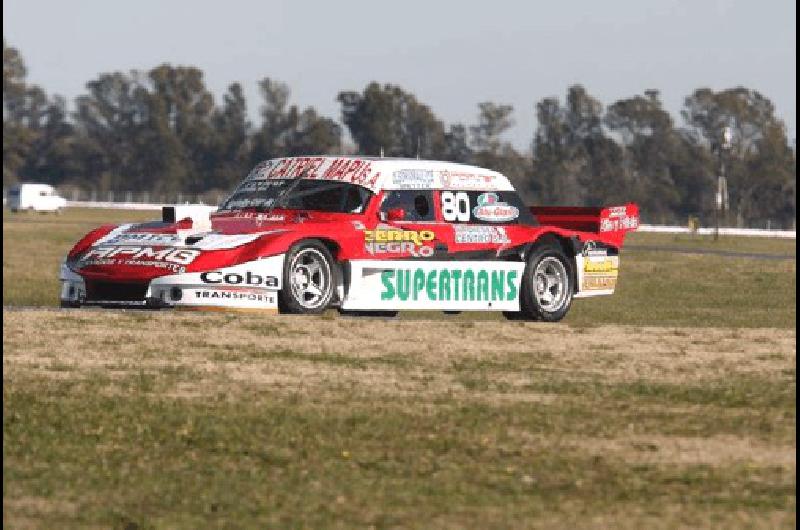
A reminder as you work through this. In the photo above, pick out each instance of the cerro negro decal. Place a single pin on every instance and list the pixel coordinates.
(233, 278)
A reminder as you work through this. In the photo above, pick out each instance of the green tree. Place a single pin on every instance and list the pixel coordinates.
(457, 147)
(386, 119)
(651, 151)
(182, 109)
(493, 121)
(288, 131)
(231, 148)
(24, 107)
(269, 141)
(52, 158)
(491, 151)
(575, 162)
(759, 164)
(112, 122)
(311, 134)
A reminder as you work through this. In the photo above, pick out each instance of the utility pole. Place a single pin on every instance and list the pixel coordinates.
(722, 181)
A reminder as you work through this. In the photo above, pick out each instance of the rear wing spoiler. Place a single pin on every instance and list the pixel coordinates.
(609, 223)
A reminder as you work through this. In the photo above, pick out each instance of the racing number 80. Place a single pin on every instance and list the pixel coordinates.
(455, 206)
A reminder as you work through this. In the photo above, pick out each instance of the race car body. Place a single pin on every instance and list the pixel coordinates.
(303, 234)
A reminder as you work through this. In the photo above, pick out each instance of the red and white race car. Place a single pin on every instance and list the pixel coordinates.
(365, 235)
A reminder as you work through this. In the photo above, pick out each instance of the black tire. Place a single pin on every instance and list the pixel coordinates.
(539, 298)
(517, 316)
(295, 296)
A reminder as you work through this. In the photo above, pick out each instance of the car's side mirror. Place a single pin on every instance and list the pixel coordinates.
(396, 214)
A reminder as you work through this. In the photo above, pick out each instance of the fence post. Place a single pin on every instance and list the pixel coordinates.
(111, 196)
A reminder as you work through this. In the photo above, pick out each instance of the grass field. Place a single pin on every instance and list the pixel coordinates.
(287, 421)
(670, 404)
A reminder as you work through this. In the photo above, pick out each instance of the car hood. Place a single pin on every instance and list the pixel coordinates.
(141, 252)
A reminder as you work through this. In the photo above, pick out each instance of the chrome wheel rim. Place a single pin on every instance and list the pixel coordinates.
(310, 278)
(550, 284)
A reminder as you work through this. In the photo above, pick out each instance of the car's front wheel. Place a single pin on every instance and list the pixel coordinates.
(309, 278)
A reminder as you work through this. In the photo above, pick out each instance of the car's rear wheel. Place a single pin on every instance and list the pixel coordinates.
(309, 279)
(547, 284)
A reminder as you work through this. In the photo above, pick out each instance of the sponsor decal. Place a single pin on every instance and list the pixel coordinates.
(605, 265)
(383, 235)
(491, 208)
(448, 284)
(413, 179)
(260, 185)
(599, 283)
(207, 295)
(233, 278)
(467, 234)
(259, 172)
(140, 238)
(170, 258)
(271, 218)
(455, 206)
(289, 168)
(403, 242)
(466, 181)
(353, 170)
(402, 249)
(600, 271)
(623, 222)
(617, 211)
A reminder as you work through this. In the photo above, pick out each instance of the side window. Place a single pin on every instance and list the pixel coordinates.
(418, 204)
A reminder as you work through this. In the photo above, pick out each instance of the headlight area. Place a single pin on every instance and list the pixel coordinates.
(252, 285)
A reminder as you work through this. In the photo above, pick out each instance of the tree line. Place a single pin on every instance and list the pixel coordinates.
(162, 131)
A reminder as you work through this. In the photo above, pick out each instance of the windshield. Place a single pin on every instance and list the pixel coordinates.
(305, 194)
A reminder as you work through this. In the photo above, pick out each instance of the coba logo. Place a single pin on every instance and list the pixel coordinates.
(233, 278)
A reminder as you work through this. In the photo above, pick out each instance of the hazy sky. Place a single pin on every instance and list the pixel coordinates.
(451, 55)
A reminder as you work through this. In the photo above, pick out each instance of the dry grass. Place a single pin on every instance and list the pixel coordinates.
(394, 423)
(287, 351)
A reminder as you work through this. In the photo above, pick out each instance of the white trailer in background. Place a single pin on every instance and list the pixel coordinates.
(35, 197)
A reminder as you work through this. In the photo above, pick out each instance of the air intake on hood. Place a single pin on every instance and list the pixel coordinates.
(198, 213)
